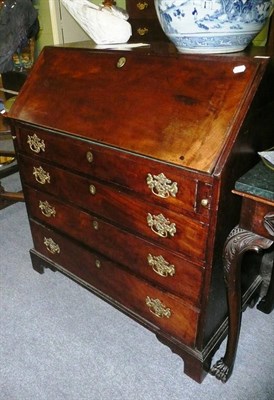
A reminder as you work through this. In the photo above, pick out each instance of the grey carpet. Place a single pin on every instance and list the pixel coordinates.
(60, 342)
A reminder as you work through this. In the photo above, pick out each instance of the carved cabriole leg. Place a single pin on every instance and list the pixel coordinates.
(237, 244)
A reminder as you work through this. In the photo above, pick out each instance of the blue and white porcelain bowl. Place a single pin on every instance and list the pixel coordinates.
(212, 26)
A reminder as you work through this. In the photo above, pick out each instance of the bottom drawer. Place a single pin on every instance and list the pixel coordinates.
(164, 310)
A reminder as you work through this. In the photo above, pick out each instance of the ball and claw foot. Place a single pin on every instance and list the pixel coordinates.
(220, 370)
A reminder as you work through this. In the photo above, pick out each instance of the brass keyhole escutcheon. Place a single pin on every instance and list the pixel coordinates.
(121, 62)
(95, 225)
(92, 189)
(89, 156)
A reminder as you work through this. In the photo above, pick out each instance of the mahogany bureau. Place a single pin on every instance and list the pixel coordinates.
(127, 161)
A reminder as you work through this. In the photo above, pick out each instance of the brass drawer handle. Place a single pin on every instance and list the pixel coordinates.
(157, 308)
(36, 144)
(142, 31)
(51, 246)
(161, 225)
(161, 266)
(41, 175)
(161, 186)
(46, 209)
(142, 6)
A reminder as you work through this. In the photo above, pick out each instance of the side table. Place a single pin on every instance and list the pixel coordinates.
(8, 165)
(254, 232)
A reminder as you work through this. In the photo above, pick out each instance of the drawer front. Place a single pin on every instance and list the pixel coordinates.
(154, 181)
(141, 8)
(171, 272)
(174, 231)
(147, 30)
(258, 217)
(161, 309)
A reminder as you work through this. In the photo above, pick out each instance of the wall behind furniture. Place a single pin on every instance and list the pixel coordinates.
(46, 36)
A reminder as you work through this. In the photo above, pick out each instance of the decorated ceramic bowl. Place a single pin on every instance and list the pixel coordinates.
(212, 26)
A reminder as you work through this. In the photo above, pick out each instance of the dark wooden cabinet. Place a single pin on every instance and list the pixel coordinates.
(127, 161)
(144, 21)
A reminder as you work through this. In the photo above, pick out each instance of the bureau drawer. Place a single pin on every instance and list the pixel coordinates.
(147, 30)
(118, 286)
(164, 184)
(172, 272)
(258, 217)
(141, 9)
(175, 231)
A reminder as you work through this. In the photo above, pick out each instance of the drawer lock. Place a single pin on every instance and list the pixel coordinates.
(161, 225)
(121, 62)
(161, 266)
(95, 225)
(157, 308)
(92, 189)
(89, 156)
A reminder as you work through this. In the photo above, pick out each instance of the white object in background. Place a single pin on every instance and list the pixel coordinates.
(104, 25)
(121, 46)
(64, 28)
(268, 155)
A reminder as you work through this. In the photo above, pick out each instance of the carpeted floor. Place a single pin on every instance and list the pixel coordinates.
(60, 342)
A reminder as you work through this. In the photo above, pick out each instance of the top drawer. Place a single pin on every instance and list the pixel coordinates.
(157, 182)
(141, 8)
(258, 217)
